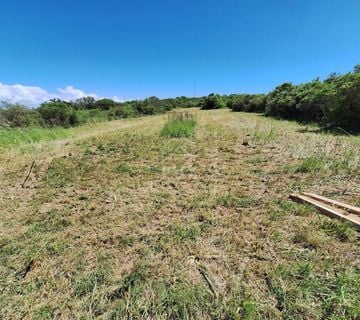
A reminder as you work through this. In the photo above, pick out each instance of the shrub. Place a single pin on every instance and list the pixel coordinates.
(85, 103)
(58, 113)
(213, 101)
(105, 104)
(281, 102)
(148, 109)
(255, 103)
(344, 107)
(19, 116)
(247, 102)
(122, 111)
(311, 100)
(92, 115)
(179, 125)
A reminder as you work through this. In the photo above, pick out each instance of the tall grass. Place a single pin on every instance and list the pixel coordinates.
(9, 137)
(179, 125)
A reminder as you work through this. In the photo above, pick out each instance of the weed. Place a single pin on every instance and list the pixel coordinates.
(295, 208)
(179, 125)
(137, 170)
(59, 173)
(44, 313)
(180, 233)
(342, 230)
(232, 201)
(311, 164)
(88, 283)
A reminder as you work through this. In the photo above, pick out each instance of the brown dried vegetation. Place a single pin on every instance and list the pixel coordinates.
(126, 223)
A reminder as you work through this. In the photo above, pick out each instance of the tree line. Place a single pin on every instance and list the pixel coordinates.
(332, 103)
(62, 113)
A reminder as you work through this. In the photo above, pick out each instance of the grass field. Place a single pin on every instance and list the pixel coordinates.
(118, 221)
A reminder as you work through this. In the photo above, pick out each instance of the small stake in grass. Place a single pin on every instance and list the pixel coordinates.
(28, 175)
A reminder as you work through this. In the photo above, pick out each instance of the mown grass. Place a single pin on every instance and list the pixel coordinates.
(179, 125)
(129, 224)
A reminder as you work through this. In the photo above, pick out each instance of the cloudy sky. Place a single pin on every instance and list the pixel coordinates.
(33, 96)
(134, 49)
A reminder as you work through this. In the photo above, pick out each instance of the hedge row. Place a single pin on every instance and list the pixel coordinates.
(334, 102)
(55, 113)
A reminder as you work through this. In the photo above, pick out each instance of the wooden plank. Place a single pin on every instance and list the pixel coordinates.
(327, 210)
(345, 206)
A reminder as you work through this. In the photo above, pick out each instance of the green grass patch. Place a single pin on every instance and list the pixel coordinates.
(9, 137)
(229, 200)
(179, 125)
(311, 164)
(340, 229)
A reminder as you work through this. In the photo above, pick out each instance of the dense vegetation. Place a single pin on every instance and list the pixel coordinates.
(58, 113)
(213, 101)
(332, 103)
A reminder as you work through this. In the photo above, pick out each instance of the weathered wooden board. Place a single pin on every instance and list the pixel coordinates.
(328, 210)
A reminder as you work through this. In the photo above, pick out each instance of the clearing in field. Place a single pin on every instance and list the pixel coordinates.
(123, 221)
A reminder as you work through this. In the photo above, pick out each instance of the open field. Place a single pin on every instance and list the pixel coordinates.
(120, 222)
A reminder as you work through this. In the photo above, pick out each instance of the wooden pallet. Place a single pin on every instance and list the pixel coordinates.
(327, 206)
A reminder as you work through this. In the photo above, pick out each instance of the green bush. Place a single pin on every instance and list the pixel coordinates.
(58, 113)
(281, 102)
(247, 102)
(92, 115)
(105, 104)
(122, 111)
(85, 103)
(16, 116)
(344, 107)
(148, 109)
(179, 125)
(213, 101)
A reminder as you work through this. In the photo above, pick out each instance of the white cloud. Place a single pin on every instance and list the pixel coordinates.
(71, 93)
(32, 96)
(116, 99)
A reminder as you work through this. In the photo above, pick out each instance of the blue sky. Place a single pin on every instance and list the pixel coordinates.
(134, 49)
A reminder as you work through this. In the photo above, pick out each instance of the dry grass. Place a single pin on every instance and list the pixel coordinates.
(124, 223)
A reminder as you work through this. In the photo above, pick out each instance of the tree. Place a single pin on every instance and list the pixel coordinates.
(105, 104)
(332, 77)
(19, 116)
(213, 101)
(344, 107)
(281, 102)
(58, 113)
(122, 111)
(85, 103)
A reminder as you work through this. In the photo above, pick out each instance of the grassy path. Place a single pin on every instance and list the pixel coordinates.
(119, 222)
